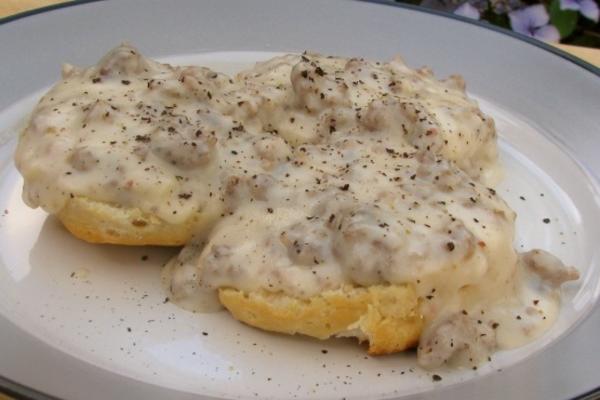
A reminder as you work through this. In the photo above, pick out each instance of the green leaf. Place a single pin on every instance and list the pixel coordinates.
(564, 20)
(496, 19)
(585, 40)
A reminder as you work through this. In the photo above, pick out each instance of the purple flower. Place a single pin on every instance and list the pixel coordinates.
(533, 21)
(468, 11)
(587, 8)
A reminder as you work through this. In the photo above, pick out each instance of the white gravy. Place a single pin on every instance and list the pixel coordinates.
(321, 171)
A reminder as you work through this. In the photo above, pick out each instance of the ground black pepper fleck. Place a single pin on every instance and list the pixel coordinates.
(142, 138)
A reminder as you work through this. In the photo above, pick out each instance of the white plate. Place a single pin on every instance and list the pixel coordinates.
(83, 321)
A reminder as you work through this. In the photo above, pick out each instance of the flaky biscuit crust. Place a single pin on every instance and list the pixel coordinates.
(98, 222)
(385, 316)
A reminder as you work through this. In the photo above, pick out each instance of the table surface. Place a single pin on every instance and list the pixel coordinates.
(10, 7)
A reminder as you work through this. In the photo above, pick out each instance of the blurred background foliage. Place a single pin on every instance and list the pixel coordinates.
(573, 22)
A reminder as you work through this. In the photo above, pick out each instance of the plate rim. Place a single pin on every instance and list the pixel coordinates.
(390, 3)
(21, 391)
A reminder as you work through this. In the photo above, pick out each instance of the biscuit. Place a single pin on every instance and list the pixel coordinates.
(99, 222)
(385, 316)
